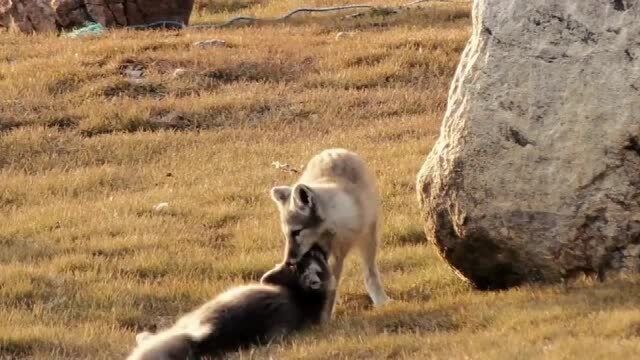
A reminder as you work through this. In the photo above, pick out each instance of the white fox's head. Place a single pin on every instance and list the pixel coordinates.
(302, 219)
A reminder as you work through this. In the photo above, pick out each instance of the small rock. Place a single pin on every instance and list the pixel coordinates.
(284, 167)
(132, 70)
(205, 44)
(170, 121)
(135, 74)
(343, 34)
(161, 207)
(179, 72)
(354, 16)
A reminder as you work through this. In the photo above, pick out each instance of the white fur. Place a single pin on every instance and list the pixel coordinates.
(344, 194)
(159, 346)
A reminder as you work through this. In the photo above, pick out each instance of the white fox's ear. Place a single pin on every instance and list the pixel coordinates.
(303, 196)
(281, 194)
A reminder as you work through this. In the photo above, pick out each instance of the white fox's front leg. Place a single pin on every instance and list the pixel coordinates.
(336, 268)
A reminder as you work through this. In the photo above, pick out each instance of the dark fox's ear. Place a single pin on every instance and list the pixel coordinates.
(279, 275)
(303, 196)
(281, 194)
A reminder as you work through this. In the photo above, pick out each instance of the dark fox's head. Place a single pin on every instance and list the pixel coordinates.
(314, 271)
(302, 218)
(311, 273)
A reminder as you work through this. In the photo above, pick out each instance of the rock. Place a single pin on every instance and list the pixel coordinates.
(178, 73)
(343, 35)
(72, 13)
(536, 173)
(163, 206)
(169, 121)
(5, 5)
(210, 43)
(132, 70)
(28, 16)
(111, 13)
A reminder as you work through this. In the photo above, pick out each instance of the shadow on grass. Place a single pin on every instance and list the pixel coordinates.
(21, 348)
(411, 237)
(539, 307)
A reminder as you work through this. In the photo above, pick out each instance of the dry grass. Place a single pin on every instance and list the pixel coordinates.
(85, 154)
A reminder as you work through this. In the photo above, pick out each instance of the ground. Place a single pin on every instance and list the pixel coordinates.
(88, 149)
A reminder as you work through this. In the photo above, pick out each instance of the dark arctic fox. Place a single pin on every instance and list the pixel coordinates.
(288, 298)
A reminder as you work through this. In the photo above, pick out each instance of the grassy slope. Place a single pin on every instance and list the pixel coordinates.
(86, 262)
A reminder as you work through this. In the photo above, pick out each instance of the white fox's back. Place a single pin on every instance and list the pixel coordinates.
(338, 166)
(341, 176)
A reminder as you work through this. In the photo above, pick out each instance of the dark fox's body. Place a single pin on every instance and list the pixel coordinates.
(288, 299)
(259, 316)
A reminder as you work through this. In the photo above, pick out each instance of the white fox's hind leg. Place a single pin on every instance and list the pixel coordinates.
(368, 250)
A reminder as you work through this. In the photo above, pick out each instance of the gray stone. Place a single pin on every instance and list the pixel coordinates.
(113, 13)
(212, 43)
(27, 16)
(71, 13)
(536, 173)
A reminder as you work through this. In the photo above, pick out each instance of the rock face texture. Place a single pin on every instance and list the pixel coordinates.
(536, 174)
(72, 13)
(27, 16)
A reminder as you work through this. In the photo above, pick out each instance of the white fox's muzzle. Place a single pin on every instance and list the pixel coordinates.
(292, 257)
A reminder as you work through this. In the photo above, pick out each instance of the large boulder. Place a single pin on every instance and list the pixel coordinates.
(72, 13)
(27, 16)
(536, 174)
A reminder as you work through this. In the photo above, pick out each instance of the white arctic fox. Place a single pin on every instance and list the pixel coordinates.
(334, 204)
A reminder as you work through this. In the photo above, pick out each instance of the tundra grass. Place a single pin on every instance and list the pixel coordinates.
(94, 133)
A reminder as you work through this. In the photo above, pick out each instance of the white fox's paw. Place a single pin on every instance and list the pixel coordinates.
(382, 301)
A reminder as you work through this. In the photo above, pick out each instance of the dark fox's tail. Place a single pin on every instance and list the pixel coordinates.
(171, 344)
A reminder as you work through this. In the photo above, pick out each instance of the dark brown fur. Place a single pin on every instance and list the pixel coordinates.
(287, 300)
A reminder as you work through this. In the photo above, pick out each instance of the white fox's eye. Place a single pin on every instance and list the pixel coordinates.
(295, 233)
